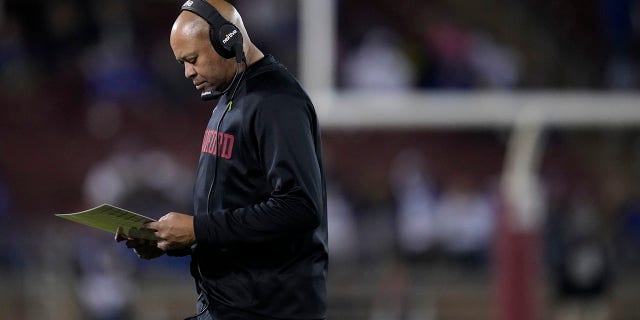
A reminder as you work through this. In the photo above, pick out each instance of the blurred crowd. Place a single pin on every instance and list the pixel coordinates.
(502, 44)
(430, 205)
(94, 110)
(118, 50)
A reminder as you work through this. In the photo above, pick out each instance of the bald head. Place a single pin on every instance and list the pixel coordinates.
(189, 25)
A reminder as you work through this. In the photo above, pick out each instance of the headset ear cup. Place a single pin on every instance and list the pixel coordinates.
(239, 52)
(234, 43)
(230, 36)
(224, 38)
(213, 37)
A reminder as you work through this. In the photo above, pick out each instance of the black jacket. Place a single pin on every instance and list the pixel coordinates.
(260, 202)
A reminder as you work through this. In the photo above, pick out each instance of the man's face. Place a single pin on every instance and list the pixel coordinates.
(202, 65)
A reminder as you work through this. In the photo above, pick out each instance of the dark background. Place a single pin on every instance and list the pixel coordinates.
(94, 108)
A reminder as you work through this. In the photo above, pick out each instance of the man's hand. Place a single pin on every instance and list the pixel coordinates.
(175, 231)
(143, 248)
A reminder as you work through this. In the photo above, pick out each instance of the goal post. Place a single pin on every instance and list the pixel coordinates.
(517, 253)
(527, 115)
(518, 257)
(474, 109)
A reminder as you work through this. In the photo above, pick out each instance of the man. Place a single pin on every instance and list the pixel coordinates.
(258, 236)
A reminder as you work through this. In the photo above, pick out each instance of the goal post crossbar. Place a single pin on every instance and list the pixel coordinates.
(459, 110)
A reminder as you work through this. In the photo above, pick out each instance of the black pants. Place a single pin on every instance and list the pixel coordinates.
(202, 309)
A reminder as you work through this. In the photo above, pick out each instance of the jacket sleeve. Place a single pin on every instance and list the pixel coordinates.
(285, 134)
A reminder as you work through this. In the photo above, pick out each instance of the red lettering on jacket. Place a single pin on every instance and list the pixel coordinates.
(218, 144)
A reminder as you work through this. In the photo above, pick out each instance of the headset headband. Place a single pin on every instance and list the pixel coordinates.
(225, 37)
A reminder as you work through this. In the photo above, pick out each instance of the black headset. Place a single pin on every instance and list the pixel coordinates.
(225, 37)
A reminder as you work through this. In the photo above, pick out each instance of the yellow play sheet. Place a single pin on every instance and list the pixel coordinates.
(108, 218)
